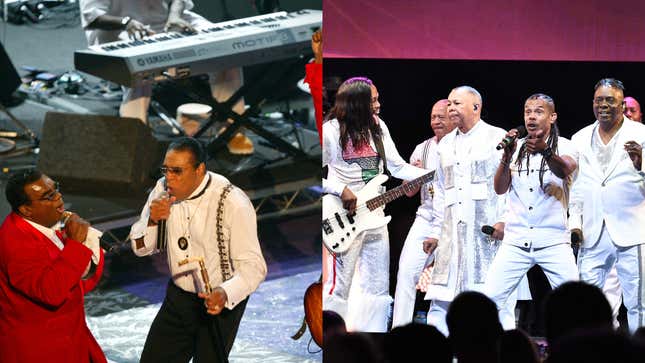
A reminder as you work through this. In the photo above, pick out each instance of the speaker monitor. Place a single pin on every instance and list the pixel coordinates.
(98, 155)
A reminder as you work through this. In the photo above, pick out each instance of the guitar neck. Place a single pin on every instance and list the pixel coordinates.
(399, 191)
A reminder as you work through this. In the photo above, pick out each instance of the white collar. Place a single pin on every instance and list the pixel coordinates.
(48, 232)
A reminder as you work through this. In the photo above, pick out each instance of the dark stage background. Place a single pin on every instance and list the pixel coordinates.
(409, 88)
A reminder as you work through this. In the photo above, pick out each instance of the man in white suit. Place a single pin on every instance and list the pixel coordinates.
(608, 198)
(464, 201)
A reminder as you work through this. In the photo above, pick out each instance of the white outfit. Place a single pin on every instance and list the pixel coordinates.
(464, 201)
(153, 13)
(608, 204)
(195, 219)
(413, 259)
(535, 231)
(369, 253)
(614, 294)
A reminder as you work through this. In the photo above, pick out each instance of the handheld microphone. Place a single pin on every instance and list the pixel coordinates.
(575, 238)
(162, 238)
(521, 133)
(486, 229)
(66, 216)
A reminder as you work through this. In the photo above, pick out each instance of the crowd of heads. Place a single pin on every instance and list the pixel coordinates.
(578, 321)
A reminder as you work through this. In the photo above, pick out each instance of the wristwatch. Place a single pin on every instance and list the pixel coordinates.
(124, 21)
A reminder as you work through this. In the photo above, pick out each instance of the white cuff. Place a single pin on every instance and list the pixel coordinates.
(93, 243)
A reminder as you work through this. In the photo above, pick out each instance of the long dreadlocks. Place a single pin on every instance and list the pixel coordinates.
(551, 141)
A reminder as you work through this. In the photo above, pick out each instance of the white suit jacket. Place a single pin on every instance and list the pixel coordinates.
(616, 197)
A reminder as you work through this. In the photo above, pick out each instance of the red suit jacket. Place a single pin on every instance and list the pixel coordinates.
(42, 318)
(314, 75)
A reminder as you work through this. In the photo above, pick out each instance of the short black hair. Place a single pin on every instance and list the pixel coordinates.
(610, 82)
(191, 145)
(15, 191)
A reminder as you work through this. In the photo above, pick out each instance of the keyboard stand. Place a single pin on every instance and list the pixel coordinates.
(282, 76)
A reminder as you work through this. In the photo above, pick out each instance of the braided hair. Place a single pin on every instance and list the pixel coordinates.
(353, 109)
(552, 139)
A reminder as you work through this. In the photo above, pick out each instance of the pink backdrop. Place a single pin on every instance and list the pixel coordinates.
(601, 30)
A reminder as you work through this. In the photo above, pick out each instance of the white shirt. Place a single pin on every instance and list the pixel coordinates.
(195, 220)
(48, 232)
(428, 154)
(537, 216)
(355, 167)
(149, 12)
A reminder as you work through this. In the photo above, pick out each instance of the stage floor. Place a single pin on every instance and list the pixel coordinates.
(273, 314)
(121, 309)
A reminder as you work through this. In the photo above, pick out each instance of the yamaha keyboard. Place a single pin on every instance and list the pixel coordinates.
(240, 42)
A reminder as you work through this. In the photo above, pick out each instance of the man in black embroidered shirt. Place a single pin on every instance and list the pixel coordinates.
(206, 218)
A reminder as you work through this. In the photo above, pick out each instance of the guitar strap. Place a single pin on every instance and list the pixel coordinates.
(381, 153)
(303, 327)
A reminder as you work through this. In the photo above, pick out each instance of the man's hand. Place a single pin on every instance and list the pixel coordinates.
(635, 152)
(137, 30)
(214, 302)
(76, 228)
(535, 143)
(498, 234)
(317, 46)
(160, 209)
(179, 25)
(349, 201)
(429, 245)
(510, 148)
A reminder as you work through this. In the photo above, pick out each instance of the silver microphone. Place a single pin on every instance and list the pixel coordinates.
(66, 216)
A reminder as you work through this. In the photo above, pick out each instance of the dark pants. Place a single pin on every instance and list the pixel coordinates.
(182, 329)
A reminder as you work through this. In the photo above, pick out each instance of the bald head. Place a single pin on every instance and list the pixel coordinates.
(439, 120)
(464, 107)
(633, 109)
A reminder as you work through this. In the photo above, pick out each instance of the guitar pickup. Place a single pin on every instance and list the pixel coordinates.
(327, 227)
(350, 219)
(340, 221)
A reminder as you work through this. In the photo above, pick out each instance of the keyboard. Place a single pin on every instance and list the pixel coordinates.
(219, 46)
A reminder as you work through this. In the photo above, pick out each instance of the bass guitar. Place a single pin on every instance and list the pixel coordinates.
(339, 229)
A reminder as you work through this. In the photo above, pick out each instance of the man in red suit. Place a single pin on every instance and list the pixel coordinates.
(44, 273)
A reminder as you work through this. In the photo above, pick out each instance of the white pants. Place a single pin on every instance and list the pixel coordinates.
(511, 264)
(364, 270)
(411, 264)
(596, 262)
(613, 293)
(223, 85)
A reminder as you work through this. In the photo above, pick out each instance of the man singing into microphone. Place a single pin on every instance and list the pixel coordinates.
(536, 177)
(206, 217)
(44, 274)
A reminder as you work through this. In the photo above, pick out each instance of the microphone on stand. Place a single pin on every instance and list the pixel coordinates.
(521, 133)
